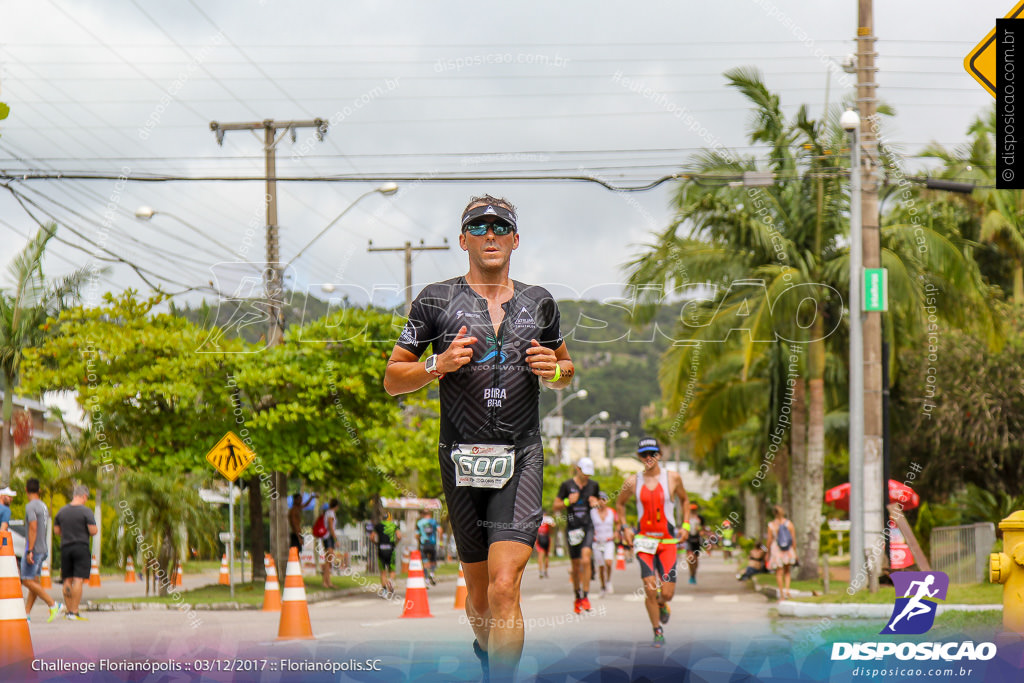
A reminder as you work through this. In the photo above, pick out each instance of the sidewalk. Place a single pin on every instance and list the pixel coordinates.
(848, 610)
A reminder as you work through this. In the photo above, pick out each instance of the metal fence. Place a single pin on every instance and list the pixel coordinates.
(962, 551)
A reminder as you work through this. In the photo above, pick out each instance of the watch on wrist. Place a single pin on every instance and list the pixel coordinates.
(431, 366)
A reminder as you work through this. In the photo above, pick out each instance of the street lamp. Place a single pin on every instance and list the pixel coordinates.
(612, 438)
(145, 213)
(558, 411)
(585, 427)
(850, 121)
(387, 189)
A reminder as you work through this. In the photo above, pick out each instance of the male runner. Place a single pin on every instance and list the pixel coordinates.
(577, 496)
(426, 532)
(603, 519)
(547, 524)
(493, 341)
(655, 540)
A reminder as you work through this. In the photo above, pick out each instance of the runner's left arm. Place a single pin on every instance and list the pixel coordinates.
(542, 362)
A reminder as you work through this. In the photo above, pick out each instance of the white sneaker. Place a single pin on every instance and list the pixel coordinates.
(611, 589)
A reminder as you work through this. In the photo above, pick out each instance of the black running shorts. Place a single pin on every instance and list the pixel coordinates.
(576, 551)
(428, 552)
(386, 560)
(75, 561)
(482, 516)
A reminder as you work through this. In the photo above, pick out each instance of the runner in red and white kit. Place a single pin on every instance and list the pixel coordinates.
(604, 519)
(655, 539)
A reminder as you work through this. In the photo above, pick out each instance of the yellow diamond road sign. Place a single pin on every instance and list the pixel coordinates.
(981, 61)
(230, 456)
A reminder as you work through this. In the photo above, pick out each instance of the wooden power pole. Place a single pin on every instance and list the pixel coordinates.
(874, 488)
(273, 280)
(408, 249)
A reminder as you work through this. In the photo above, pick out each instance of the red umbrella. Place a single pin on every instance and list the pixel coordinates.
(839, 496)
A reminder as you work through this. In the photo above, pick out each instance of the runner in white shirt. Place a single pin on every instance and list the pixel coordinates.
(604, 541)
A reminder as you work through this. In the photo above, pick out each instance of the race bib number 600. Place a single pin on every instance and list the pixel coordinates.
(487, 466)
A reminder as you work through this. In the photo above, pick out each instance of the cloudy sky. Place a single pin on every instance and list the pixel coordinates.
(418, 90)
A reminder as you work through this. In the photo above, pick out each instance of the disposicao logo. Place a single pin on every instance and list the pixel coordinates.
(914, 612)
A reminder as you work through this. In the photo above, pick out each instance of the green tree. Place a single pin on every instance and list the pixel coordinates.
(773, 264)
(25, 307)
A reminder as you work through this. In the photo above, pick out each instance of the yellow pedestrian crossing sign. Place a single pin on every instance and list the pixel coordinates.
(981, 61)
(230, 456)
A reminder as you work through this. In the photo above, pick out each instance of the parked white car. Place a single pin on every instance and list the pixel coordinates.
(17, 528)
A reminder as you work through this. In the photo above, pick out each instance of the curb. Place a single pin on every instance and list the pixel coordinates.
(860, 610)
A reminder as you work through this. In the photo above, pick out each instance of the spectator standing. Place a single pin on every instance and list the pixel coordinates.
(781, 549)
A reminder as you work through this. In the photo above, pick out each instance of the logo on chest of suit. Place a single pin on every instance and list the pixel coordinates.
(524, 319)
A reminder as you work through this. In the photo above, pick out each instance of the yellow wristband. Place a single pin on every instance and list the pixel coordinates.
(558, 374)
(686, 526)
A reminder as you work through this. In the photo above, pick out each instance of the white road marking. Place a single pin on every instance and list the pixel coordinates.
(726, 598)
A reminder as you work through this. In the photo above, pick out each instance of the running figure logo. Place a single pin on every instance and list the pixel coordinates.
(914, 612)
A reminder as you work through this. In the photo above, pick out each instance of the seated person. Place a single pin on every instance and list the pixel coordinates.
(755, 562)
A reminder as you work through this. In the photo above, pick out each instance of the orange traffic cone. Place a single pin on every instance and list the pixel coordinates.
(294, 610)
(94, 574)
(129, 571)
(225, 575)
(460, 590)
(178, 578)
(15, 640)
(44, 576)
(620, 559)
(271, 589)
(416, 604)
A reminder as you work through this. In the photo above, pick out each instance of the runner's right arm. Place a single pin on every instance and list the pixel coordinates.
(405, 373)
(628, 489)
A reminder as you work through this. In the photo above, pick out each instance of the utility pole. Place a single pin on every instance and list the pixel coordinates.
(867, 102)
(273, 281)
(408, 249)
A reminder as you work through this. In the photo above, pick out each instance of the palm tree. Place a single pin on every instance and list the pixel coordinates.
(24, 310)
(772, 264)
(160, 516)
(998, 214)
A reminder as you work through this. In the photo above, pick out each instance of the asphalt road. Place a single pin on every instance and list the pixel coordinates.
(369, 631)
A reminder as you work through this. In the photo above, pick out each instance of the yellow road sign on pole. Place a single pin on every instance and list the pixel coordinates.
(981, 61)
(230, 456)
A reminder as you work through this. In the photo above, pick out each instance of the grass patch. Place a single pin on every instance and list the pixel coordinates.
(949, 626)
(962, 594)
(251, 593)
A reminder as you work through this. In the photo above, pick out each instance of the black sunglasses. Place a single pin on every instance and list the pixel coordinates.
(480, 229)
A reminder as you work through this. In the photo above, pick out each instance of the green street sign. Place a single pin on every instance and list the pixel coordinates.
(876, 290)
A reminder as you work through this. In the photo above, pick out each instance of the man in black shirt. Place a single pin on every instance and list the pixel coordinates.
(493, 341)
(577, 496)
(75, 524)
